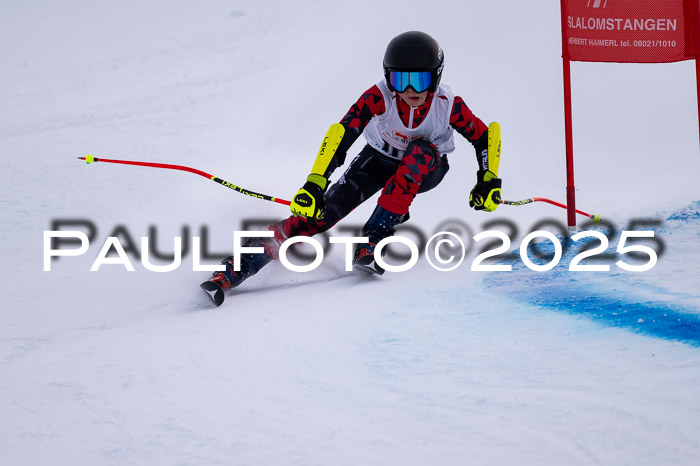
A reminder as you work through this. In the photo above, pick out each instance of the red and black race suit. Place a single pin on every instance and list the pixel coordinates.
(420, 169)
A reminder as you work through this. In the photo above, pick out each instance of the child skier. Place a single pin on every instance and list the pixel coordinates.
(407, 119)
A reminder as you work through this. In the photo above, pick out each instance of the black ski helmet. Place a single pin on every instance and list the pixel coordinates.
(414, 51)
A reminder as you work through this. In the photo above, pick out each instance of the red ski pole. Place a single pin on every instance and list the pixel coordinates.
(91, 159)
(594, 217)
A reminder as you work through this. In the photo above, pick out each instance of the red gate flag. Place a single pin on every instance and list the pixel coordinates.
(623, 31)
(631, 31)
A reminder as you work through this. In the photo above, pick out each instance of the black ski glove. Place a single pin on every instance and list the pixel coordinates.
(310, 201)
(486, 194)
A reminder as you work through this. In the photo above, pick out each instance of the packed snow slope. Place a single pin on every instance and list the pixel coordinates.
(325, 367)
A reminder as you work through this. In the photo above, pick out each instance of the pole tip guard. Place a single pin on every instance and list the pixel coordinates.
(595, 218)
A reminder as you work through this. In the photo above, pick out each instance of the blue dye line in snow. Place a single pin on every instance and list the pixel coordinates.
(654, 319)
(560, 291)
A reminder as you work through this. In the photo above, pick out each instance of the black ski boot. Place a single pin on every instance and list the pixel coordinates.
(380, 225)
(220, 282)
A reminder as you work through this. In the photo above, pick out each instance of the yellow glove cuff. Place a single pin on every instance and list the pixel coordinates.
(489, 175)
(319, 180)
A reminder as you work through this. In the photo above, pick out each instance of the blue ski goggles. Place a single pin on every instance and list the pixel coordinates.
(418, 80)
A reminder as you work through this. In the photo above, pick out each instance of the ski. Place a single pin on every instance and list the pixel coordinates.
(218, 295)
(214, 291)
(367, 264)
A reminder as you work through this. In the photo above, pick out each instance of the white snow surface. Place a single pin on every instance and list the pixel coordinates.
(325, 368)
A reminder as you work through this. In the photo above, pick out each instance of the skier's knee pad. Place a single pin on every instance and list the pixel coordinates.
(437, 165)
(435, 177)
(424, 147)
